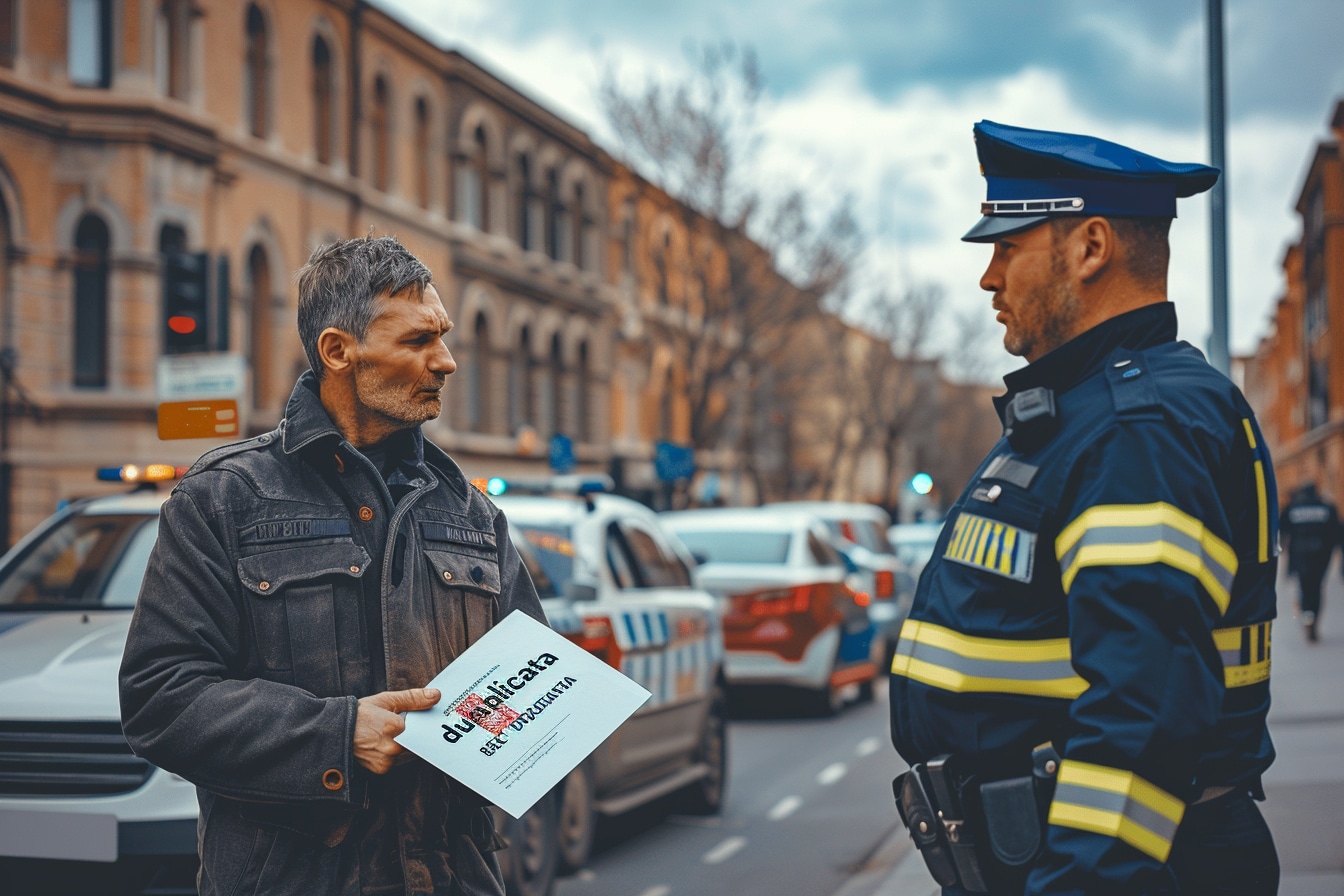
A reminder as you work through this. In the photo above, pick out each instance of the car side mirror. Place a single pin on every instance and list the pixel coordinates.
(575, 591)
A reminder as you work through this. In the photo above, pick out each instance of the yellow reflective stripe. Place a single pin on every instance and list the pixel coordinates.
(1118, 804)
(1140, 534)
(1245, 651)
(1262, 503)
(942, 658)
(1006, 554)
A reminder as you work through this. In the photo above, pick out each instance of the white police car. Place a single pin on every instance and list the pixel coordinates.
(614, 581)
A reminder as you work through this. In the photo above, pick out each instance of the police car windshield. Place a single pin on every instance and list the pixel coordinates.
(553, 549)
(737, 547)
(85, 562)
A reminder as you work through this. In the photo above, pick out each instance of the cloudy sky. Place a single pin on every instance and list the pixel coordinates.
(876, 98)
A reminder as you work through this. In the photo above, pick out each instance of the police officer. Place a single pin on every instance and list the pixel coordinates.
(1090, 642)
(1311, 526)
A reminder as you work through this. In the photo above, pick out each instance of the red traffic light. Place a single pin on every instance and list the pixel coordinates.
(182, 324)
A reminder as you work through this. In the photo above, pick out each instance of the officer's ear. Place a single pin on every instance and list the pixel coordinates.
(337, 351)
(1095, 247)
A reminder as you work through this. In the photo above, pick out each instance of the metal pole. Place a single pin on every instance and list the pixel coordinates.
(1218, 351)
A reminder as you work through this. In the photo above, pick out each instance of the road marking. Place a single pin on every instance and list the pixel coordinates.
(832, 773)
(784, 808)
(869, 745)
(660, 890)
(724, 851)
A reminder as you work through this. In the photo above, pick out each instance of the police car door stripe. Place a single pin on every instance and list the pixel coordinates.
(993, 546)
(945, 659)
(1117, 804)
(1245, 651)
(1140, 534)
(1261, 501)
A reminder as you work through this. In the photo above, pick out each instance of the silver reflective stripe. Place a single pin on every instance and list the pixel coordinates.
(1120, 804)
(1040, 670)
(1132, 535)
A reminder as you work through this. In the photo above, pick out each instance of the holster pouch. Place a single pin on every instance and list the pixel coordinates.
(921, 820)
(1015, 810)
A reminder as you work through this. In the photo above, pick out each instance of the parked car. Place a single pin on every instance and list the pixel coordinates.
(789, 617)
(72, 792)
(914, 543)
(613, 580)
(859, 531)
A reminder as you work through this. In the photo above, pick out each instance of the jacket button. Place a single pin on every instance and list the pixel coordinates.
(264, 586)
(366, 513)
(332, 779)
(447, 575)
(354, 569)
(477, 574)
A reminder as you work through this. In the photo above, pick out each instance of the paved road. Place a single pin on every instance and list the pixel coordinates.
(809, 801)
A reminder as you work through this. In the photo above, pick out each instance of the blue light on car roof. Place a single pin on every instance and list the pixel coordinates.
(496, 487)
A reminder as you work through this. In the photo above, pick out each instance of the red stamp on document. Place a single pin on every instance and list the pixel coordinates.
(491, 717)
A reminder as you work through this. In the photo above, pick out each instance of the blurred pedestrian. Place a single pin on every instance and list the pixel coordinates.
(1310, 527)
(304, 587)
(1082, 684)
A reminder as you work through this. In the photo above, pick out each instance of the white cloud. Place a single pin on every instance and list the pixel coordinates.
(910, 162)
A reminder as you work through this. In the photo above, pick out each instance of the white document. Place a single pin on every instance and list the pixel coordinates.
(518, 711)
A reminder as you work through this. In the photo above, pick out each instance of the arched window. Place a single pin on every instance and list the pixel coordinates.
(422, 152)
(257, 79)
(666, 424)
(378, 120)
(555, 215)
(582, 425)
(521, 410)
(523, 212)
(478, 402)
(324, 101)
(555, 381)
(473, 172)
(8, 49)
(171, 34)
(580, 251)
(259, 328)
(92, 241)
(660, 268)
(89, 43)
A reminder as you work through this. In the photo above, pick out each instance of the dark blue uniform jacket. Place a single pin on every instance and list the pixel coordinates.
(1110, 591)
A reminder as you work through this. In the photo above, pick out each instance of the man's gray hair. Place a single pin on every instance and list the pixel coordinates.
(342, 283)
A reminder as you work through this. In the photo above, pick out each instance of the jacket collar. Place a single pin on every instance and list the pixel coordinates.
(308, 423)
(1082, 356)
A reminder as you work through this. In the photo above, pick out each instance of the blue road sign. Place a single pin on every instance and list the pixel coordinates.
(673, 462)
(562, 453)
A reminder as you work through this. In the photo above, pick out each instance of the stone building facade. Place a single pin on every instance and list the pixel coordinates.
(255, 130)
(1295, 378)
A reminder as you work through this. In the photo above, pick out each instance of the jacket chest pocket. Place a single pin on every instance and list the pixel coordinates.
(465, 591)
(996, 532)
(299, 626)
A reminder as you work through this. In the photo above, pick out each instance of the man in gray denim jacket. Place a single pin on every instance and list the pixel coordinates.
(305, 586)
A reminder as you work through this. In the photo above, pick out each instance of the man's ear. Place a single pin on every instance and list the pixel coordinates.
(1096, 247)
(337, 350)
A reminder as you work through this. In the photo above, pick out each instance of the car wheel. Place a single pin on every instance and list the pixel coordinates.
(866, 691)
(529, 864)
(578, 819)
(705, 797)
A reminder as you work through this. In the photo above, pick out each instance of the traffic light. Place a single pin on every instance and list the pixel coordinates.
(186, 327)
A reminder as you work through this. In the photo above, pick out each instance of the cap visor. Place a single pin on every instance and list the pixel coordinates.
(991, 227)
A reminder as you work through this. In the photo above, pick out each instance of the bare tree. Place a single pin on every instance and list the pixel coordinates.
(696, 138)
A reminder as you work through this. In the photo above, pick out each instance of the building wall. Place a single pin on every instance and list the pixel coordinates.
(1295, 379)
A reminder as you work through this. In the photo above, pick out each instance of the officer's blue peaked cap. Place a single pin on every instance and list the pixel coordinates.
(1034, 176)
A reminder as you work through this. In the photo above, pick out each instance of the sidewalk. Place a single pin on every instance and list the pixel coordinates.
(1305, 786)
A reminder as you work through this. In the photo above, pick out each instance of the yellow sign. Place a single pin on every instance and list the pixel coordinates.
(210, 418)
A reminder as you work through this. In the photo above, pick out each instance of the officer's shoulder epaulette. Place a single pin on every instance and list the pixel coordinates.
(1132, 384)
(223, 452)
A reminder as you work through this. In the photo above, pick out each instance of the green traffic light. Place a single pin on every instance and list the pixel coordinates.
(922, 483)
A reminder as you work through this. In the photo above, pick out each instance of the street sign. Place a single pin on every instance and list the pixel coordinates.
(672, 462)
(562, 453)
(211, 375)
